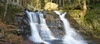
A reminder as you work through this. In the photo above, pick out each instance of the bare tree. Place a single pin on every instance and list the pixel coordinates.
(59, 3)
(6, 6)
(18, 2)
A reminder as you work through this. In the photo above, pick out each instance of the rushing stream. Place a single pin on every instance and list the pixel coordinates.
(42, 34)
(33, 20)
(40, 31)
(44, 30)
(71, 37)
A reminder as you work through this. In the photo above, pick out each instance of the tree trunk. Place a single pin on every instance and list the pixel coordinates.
(51, 0)
(57, 1)
(6, 6)
(63, 3)
(46, 1)
(69, 1)
(13, 1)
(60, 3)
(18, 2)
(84, 7)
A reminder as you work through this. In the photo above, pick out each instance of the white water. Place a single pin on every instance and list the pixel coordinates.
(45, 31)
(71, 37)
(33, 20)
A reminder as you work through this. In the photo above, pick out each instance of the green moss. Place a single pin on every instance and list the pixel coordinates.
(74, 13)
(1, 11)
(90, 16)
(94, 5)
(82, 18)
(92, 19)
(11, 14)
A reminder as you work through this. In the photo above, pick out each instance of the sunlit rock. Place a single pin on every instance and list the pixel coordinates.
(50, 6)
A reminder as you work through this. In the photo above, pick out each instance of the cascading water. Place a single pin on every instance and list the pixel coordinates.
(71, 36)
(45, 31)
(41, 33)
(33, 20)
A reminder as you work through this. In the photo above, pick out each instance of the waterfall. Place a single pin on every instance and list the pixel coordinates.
(45, 31)
(33, 21)
(41, 33)
(71, 36)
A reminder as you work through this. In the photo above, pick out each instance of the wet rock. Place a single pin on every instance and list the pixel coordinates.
(20, 14)
(2, 42)
(22, 22)
(59, 23)
(55, 24)
(27, 42)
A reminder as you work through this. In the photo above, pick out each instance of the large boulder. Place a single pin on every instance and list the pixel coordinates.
(50, 6)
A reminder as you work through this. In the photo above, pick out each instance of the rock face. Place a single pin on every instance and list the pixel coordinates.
(55, 24)
(23, 23)
(53, 21)
(9, 33)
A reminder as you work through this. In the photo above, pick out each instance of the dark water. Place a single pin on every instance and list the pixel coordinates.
(60, 42)
(56, 42)
(53, 42)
